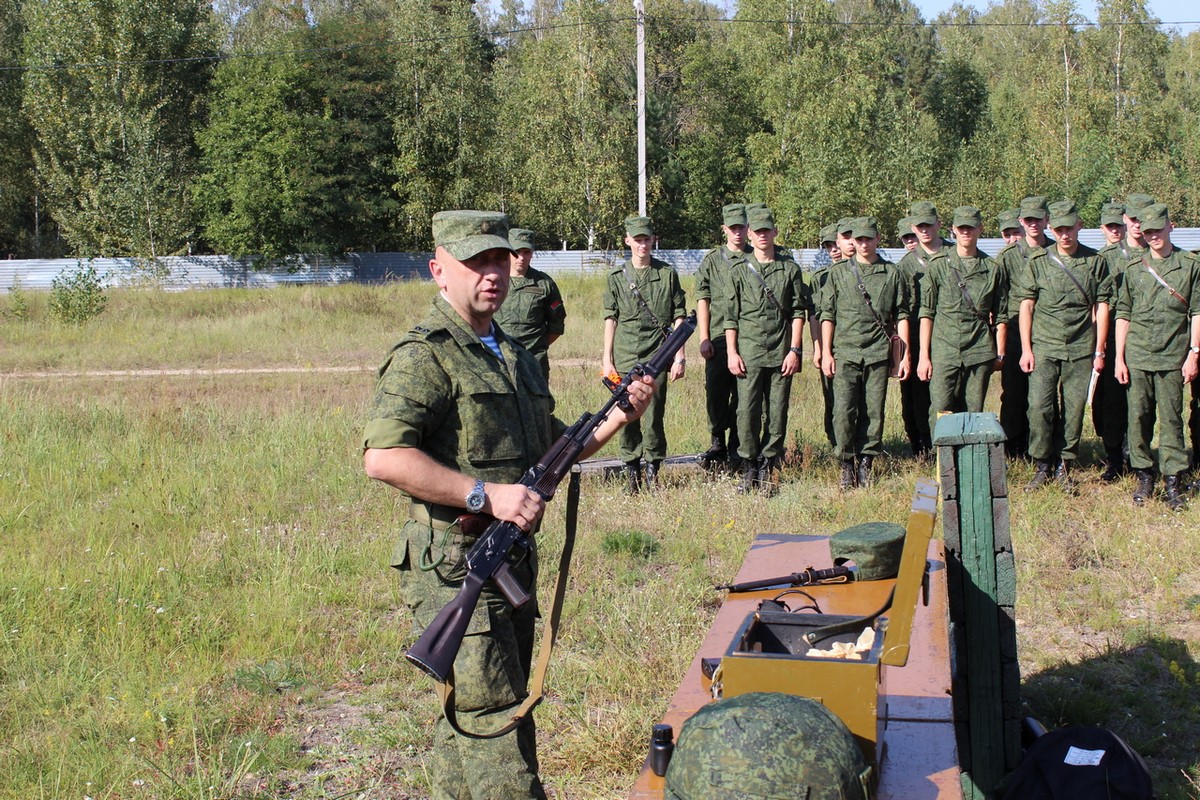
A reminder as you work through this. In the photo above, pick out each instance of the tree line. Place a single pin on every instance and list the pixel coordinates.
(273, 127)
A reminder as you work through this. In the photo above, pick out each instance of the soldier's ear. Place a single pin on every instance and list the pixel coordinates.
(437, 271)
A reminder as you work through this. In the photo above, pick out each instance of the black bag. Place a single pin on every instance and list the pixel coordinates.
(1080, 762)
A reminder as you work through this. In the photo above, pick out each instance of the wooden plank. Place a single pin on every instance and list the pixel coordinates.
(999, 471)
(1001, 533)
(950, 525)
(1006, 579)
(959, 429)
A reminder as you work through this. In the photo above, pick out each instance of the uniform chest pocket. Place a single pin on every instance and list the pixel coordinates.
(490, 414)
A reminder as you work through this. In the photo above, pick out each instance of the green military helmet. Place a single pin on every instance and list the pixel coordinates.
(874, 547)
(767, 745)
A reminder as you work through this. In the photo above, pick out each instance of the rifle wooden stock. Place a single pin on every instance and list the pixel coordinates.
(437, 647)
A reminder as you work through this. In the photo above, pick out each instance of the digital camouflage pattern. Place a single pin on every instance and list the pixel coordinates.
(767, 745)
(532, 313)
(874, 547)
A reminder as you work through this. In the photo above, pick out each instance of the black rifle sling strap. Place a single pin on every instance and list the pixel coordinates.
(549, 634)
(1058, 262)
(862, 288)
(767, 289)
(637, 295)
(966, 294)
(1162, 281)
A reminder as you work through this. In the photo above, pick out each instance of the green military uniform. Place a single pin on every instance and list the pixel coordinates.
(914, 392)
(861, 349)
(1110, 409)
(1155, 348)
(639, 334)
(443, 391)
(1064, 341)
(817, 280)
(761, 308)
(961, 296)
(532, 313)
(1014, 383)
(720, 386)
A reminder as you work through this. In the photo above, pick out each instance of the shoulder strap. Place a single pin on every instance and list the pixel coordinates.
(637, 295)
(767, 289)
(962, 287)
(1163, 281)
(1058, 262)
(862, 288)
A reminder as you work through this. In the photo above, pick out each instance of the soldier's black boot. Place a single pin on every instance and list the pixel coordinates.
(1114, 466)
(866, 466)
(1041, 475)
(1175, 493)
(1062, 476)
(1145, 486)
(716, 455)
(767, 470)
(633, 474)
(749, 476)
(849, 475)
(652, 475)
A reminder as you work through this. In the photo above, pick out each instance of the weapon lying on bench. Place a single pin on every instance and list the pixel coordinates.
(805, 577)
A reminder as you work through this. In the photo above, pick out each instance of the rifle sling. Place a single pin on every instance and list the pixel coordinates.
(862, 288)
(767, 290)
(549, 635)
(1154, 273)
(962, 287)
(1058, 262)
(665, 330)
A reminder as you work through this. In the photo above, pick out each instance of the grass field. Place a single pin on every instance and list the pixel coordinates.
(195, 599)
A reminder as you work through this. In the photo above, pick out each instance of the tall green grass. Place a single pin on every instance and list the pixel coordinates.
(195, 602)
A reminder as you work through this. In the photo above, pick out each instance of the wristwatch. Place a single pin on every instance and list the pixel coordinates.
(1194, 349)
(798, 351)
(476, 498)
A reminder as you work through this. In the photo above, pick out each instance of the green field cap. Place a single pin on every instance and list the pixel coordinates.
(1112, 214)
(874, 547)
(1136, 202)
(1010, 219)
(465, 234)
(733, 214)
(1063, 214)
(969, 216)
(923, 212)
(829, 235)
(904, 227)
(521, 239)
(845, 225)
(639, 226)
(1154, 217)
(759, 217)
(865, 227)
(1033, 207)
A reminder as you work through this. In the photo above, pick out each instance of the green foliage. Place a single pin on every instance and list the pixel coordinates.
(18, 303)
(270, 677)
(78, 296)
(637, 544)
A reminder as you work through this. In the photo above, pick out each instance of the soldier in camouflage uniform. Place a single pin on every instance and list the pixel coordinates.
(712, 286)
(766, 305)
(905, 234)
(856, 331)
(1110, 413)
(459, 414)
(643, 300)
(829, 242)
(1014, 382)
(1009, 222)
(963, 295)
(1064, 295)
(1158, 351)
(533, 315)
(914, 392)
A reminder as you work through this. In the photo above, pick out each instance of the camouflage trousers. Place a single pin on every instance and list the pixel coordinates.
(721, 393)
(827, 398)
(1110, 406)
(1014, 397)
(1157, 395)
(491, 673)
(762, 412)
(645, 437)
(859, 392)
(915, 399)
(1057, 396)
(957, 387)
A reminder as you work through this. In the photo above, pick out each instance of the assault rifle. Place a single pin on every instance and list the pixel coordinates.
(435, 650)
(805, 578)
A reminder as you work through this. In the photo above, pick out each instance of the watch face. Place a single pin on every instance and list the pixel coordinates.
(475, 498)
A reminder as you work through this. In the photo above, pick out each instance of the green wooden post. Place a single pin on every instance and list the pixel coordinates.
(982, 588)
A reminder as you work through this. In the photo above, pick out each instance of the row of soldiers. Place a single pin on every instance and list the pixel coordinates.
(1059, 321)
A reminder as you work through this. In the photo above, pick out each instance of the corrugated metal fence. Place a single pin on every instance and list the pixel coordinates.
(196, 272)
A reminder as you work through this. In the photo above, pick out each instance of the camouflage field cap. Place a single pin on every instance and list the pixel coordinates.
(1135, 203)
(733, 214)
(970, 216)
(845, 225)
(904, 227)
(865, 227)
(521, 239)
(923, 212)
(1112, 214)
(1033, 207)
(1063, 214)
(1010, 219)
(874, 547)
(1154, 217)
(767, 745)
(829, 235)
(759, 217)
(465, 234)
(639, 226)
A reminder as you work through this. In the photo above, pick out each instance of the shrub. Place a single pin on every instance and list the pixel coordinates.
(18, 303)
(79, 296)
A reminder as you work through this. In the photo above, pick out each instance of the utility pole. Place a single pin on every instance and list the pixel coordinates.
(640, 7)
